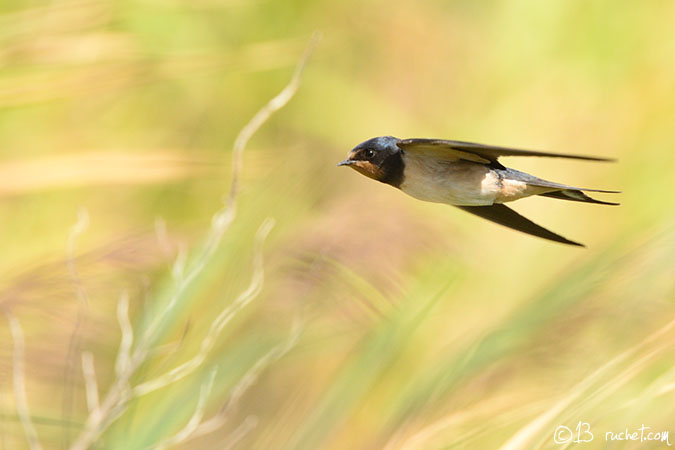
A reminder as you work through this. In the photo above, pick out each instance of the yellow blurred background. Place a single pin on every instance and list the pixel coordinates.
(420, 327)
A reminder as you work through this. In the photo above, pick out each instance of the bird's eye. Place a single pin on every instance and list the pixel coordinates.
(368, 153)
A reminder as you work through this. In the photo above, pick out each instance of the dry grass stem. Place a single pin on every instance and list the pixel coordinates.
(240, 432)
(193, 424)
(524, 437)
(224, 217)
(218, 324)
(253, 373)
(123, 358)
(260, 118)
(243, 385)
(129, 360)
(20, 383)
(90, 384)
(83, 303)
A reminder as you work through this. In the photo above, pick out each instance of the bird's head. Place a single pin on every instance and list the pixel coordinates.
(378, 158)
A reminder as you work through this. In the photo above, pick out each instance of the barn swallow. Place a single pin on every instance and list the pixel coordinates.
(466, 175)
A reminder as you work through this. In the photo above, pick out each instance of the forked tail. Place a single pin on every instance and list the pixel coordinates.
(577, 196)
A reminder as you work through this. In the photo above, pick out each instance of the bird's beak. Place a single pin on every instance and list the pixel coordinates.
(346, 162)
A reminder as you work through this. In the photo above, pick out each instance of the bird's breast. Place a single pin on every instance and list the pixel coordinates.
(460, 183)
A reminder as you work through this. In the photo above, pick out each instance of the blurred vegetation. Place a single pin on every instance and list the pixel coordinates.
(421, 326)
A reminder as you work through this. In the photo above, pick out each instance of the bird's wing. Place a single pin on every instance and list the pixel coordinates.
(440, 149)
(504, 215)
(477, 152)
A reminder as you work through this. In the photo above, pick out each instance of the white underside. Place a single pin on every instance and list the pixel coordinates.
(458, 183)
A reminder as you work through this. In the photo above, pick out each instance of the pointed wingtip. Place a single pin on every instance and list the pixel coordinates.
(589, 158)
(564, 240)
(609, 160)
(503, 215)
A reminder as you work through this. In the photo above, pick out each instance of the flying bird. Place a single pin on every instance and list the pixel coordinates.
(466, 175)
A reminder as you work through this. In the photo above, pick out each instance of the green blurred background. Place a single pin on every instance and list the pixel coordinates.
(422, 327)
